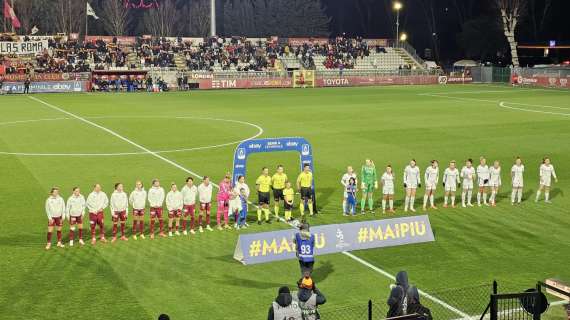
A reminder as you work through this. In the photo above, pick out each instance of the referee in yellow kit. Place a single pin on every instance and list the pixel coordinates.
(278, 184)
(263, 184)
(305, 187)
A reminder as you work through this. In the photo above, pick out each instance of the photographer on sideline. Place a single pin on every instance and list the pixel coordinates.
(284, 307)
(399, 298)
(309, 297)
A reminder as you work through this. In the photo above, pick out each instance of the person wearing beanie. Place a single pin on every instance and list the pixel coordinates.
(284, 306)
(309, 298)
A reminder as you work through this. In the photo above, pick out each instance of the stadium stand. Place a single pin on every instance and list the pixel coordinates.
(213, 55)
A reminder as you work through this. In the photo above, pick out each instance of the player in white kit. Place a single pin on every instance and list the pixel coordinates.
(494, 181)
(387, 181)
(450, 182)
(344, 181)
(546, 174)
(517, 172)
(412, 181)
(483, 175)
(468, 175)
(431, 177)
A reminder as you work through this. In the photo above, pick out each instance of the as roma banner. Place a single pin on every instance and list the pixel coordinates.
(28, 47)
(333, 238)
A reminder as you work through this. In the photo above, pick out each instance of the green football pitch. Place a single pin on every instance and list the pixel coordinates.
(82, 139)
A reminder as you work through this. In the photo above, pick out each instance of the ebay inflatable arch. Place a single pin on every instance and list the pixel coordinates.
(247, 147)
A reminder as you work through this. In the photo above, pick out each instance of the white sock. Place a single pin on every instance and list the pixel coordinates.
(431, 199)
(463, 194)
(546, 196)
(485, 197)
(445, 199)
(391, 202)
(406, 202)
(412, 200)
(538, 195)
(425, 199)
(479, 198)
(453, 200)
(383, 204)
(492, 198)
(513, 195)
(469, 196)
(519, 197)
(344, 206)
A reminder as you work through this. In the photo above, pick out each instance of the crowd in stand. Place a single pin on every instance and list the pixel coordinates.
(237, 53)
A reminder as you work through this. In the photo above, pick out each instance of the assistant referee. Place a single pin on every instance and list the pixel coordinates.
(263, 184)
(278, 184)
(305, 187)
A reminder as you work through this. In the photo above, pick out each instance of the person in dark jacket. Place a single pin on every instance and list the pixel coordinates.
(416, 307)
(399, 299)
(310, 298)
(284, 307)
(27, 85)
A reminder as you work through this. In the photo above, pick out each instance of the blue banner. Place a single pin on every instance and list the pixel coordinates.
(47, 87)
(244, 149)
(333, 238)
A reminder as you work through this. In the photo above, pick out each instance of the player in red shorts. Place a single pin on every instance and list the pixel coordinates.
(205, 196)
(97, 202)
(174, 205)
(156, 200)
(137, 198)
(119, 210)
(55, 210)
(74, 211)
(189, 193)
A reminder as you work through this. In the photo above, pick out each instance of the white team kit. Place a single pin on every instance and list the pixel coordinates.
(431, 177)
(346, 179)
(467, 174)
(412, 177)
(451, 179)
(495, 177)
(546, 174)
(387, 180)
(517, 176)
(483, 175)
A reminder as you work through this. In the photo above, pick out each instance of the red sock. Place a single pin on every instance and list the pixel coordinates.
(152, 226)
(177, 227)
(184, 225)
(192, 222)
(141, 227)
(93, 230)
(134, 226)
(80, 233)
(123, 229)
(49, 237)
(58, 235)
(114, 229)
(200, 220)
(207, 218)
(71, 234)
(101, 231)
(161, 225)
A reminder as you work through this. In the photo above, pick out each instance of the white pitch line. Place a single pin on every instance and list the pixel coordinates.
(158, 156)
(502, 104)
(423, 293)
(259, 132)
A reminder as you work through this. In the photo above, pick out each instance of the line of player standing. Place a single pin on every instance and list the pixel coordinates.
(181, 205)
(488, 179)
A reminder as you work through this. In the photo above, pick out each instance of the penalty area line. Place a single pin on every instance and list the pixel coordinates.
(423, 293)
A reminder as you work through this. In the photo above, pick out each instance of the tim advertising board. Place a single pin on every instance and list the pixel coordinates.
(47, 87)
(333, 238)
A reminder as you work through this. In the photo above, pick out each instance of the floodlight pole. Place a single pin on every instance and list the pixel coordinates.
(398, 27)
(212, 18)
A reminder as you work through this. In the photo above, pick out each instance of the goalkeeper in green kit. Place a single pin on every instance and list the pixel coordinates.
(369, 181)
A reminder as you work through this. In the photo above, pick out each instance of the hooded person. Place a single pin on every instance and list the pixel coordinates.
(399, 298)
(309, 298)
(416, 307)
(284, 306)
